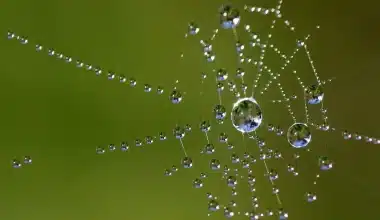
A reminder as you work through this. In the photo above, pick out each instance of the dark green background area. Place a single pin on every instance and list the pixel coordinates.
(58, 114)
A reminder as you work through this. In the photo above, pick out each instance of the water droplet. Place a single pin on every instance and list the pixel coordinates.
(235, 158)
(197, 183)
(220, 112)
(357, 136)
(193, 28)
(210, 56)
(87, 66)
(98, 71)
(176, 97)
(221, 75)
(188, 128)
(27, 160)
(149, 140)
(138, 143)
(16, 163)
(162, 136)
(39, 47)
(23, 40)
(205, 126)
(273, 175)
(122, 79)
(223, 137)
(311, 197)
(207, 47)
(132, 82)
(187, 162)
(124, 146)
(239, 47)
(269, 212)
(215, 164)
(168, 172)
(209, 196)
(299, 135)
(277, 154)
(246, 115)
(100, 150)
(251, 179)
(245, 163)
(231, 86)
(209, 149)
(232, 203)
(232, 181)
(11, 35)
(203, 76)
(314, 94)
(203, 175)
(67, 59)
(147, 88)
(279, 131)
(51, 52)
(213, 205)
(240, 73)
(229, 17)
(219, 87)
(228, 213)
(179, 132)
(111, 147)
(160, 90)
(296, 156)
(300, 43)
(325, 163)
(283, 215)
(261, 143)
(346, 135)
(275, 190)
(174, 168)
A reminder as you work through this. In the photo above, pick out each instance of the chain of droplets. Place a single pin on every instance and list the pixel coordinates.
(261, 58)
(215, 165)
(266, 11)
(288, 60)
(324, 164)
(276, 77)
(17, 164)
(175, 96)
(314, 69)
(231, 180)
(240, 72)
(193, 29)
(213, 205)
(311, 61)
(286, 99)
(310, 196)
(347, 135)
(271, 174)
(138, 142)
(263, 49)
(300, 82)
(178, 133)
(256, 41)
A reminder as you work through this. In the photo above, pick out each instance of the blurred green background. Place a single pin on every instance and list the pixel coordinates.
(58, 114)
